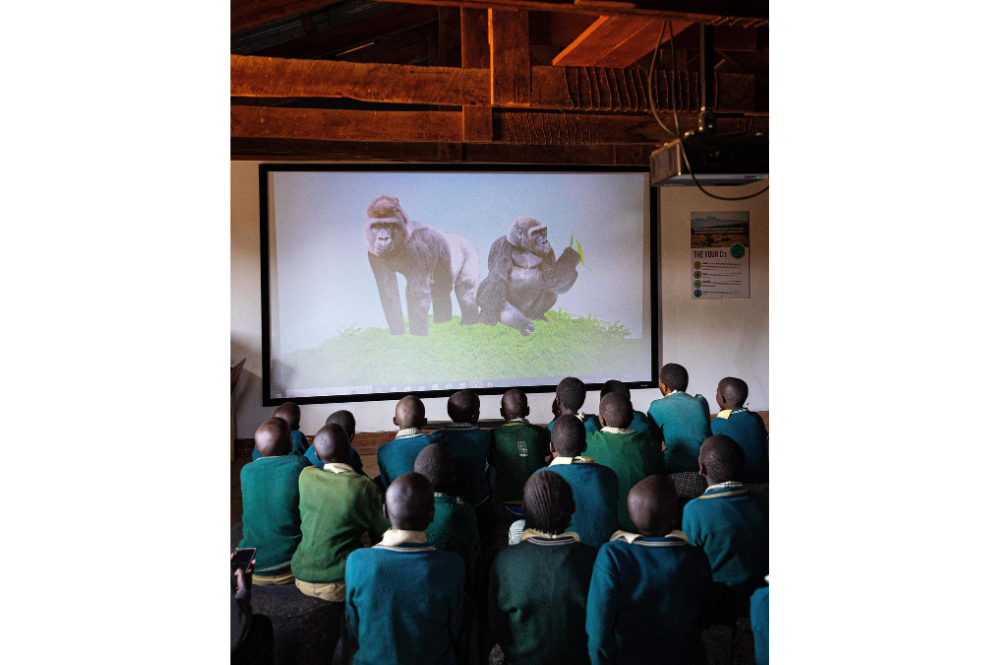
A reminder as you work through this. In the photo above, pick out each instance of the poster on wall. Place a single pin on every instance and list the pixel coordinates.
(720, 255)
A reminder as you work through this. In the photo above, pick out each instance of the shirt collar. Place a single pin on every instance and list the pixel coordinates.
(618, 430)
(515, 420)
(459, 426)
(541, 535)
(408, 432)
(571, 460)
(726, 485)
(728, 412)
(632, 537)
(676, 392)
(337, 467)
(449, 497)
(394, 537)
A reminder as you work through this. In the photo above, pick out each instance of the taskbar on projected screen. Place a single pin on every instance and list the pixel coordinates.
(414, 387)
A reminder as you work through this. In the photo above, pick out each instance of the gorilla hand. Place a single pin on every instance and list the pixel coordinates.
(513, 317)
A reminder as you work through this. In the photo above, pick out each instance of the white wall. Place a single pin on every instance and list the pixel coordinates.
(711, 338)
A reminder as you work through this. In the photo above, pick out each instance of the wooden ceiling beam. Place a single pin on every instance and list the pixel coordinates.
(246, 14)
(717, 12)
(616, 41)
(510, 61)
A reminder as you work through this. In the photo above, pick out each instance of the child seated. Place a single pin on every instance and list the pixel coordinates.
(396, 457)
(270, 488)
(570, 396)
(404, 598)
(649, 595)
(641, 423)
(469, 446)
(742, 426)
(595, 486)
(682, 419)
(632, 456)
(290, 413)
(519, 449)
(337, 505)
(728, 522)
(454, 526)
(346, 420)
(538, 588)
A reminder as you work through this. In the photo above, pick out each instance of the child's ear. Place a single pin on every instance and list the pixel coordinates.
(552, 450)
(600, 419)
(395, 422)
(527, 410)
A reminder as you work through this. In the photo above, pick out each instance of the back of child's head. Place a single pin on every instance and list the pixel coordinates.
(569, 436)
(345, 419)
(273, 438)
(615, 386)
(674, 377)
(463, 407)
(652, 505)
(514, 404)
(332, 443)
(290, 413)
(409, 413)
(723, 458)
(572, 393)
(734, 391)
(435, 464)
(409, 502)
(548, 502)
(616, 410)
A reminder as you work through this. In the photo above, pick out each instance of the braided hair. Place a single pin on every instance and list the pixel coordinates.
(548, 503)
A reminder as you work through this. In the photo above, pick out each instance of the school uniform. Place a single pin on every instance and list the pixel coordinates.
(454, 527)
(589, 420)
(354, 461)
(595, 492)
(271, 522)
(731, 525)
(299, 446)
(469, 446)
(684, 423)
(648, 601)
(632, 456)
(643, 424)
(746, 428)
(397, 457)
(537, 599)
(519, 449)
(404, 601)
(760, 603)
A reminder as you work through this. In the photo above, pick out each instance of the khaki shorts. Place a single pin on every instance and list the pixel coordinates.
(266, 580)
(333, 591)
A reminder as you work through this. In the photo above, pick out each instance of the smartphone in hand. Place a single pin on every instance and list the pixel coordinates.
(243, 558)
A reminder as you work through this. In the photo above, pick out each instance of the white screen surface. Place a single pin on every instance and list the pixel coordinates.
(329, 330)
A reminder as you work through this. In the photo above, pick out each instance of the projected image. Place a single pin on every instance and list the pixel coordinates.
(412, 281)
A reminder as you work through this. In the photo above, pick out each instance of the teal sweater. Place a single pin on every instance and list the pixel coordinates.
(270, 488)
(595, 492)
(538, 601)
(643, 424)
(684, 423)
(299, 446)
(590, 423)
(632, 457)
(747, 429)
(731, 525)
(469, 446)
(519, 449)
(355, 460)
(336, 508)
(404, 604)
(454, 528)
(760, 603)
(397, 457)
(648, 602)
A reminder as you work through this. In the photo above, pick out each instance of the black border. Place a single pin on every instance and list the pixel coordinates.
(654, 263)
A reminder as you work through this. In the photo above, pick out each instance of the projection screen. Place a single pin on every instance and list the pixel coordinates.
(380, 281)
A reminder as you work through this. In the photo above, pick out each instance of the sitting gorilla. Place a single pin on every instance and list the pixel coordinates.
(524, 277)
(432, 262)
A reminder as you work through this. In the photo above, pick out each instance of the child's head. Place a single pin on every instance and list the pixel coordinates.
(548, 503)
(409, 502)
(673, 377)
(290, 413)
(435, 464)
(273, 438)
(569, 437)
(463, 407)
(571, 394)
(652, 505)
(409, 413)
(345, 419)
(616, 411)
(721, 459)
(732, 393)
(615, 386)
(332, 443)
(514, 404)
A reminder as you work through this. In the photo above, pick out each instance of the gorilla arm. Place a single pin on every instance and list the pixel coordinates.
(388, 291)
(492, 294)
(559, 276)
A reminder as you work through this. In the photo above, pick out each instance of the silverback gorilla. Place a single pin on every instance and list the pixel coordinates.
(524, 277)
(432, 262)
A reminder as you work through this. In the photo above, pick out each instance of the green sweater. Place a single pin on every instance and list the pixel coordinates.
(684, 422)
(454, 528)
(336, 509)
(538, 601)
(519, 449)
(632, 457)
(270, 488)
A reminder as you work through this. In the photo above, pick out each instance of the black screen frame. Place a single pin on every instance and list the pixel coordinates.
(654, 266)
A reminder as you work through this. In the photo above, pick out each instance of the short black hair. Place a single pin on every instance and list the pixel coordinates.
(290, 413)
(735, 391)
(723, 458)
(571, 393)
(674, 377)
(569, 436)
(616, 409)
(548, 503)
(435, 464)
(515, 402)
(462, 406)
(345, 419)
(615, 386)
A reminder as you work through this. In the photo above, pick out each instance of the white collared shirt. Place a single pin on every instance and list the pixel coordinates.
(408, 433)
(735, 484)
(337, 467)
(394, 537)
(556, 461)
(632, 537)
(541, 535)
(618, 430)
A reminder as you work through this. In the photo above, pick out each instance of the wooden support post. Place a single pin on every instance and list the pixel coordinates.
(477, 121)
(510, 61)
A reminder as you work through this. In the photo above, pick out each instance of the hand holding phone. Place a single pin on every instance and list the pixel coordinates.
(243, 559)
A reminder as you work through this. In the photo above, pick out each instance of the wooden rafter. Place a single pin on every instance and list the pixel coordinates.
(246, 14)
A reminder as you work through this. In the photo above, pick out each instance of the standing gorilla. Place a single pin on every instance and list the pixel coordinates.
(524, 277)
(432, 262)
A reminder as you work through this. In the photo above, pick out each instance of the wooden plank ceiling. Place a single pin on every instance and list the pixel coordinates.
(484, 81)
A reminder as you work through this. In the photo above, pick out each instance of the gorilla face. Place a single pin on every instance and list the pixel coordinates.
(383, 236)
(530, 235)
(537, 241)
